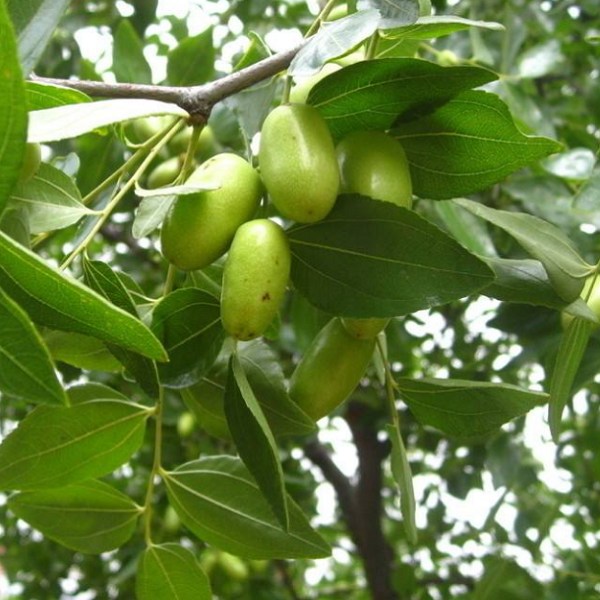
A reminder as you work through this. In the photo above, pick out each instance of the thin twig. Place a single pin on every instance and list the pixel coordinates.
(198, 100)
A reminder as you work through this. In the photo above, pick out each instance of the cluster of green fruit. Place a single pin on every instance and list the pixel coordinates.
(304, 174)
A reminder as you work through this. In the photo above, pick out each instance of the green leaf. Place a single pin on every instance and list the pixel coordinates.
(81, 351)
(149, 215)
(403, 478)
(374, 94)
(333, 40)
(522, 280)
(46, 95)
(93, 391)
(393, 12)
(51, 198)
(468, 410)
(90, 517)
(375, 259)
(129, 63)
(102, 279)
(465, 227)
(542, 240)
(265, 376)
(59, 302)
(188, 321)
(217, 499)
(63, 122)
(56, 445)
(191, 62)
(570, 353)
(467, 145)
(428, 27)
(254, 440)
(170, 572)
(26, 369)
(256, 50)
(13, 109)
(35, 21)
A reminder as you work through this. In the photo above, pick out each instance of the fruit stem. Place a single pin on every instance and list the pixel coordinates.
(390, 385)
(188, 163)
(106, 212)
(171, 271)
(156, 467)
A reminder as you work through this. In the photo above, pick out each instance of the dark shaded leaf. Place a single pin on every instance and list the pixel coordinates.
(374, 259)
(466, 409)
(188, 321)
(170, 572)
(374, 94)
(467, 145)
(217, 499)
(253, 439)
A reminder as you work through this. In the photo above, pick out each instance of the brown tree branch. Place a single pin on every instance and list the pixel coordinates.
(375, 551)
(198, 100)
(361, 505)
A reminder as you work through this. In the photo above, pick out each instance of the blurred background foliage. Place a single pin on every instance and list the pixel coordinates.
(509, 517)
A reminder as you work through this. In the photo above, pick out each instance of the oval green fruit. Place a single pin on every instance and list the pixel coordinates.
(32, 159)
(330, 370)
(206, 146)
(299, 92)
(200, 226)
(165, 173)
(254, 279)
(591, 291)
(297, 162)
(365, 329)
(374, 164)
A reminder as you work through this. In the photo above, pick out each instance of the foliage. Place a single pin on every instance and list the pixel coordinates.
(145, 453)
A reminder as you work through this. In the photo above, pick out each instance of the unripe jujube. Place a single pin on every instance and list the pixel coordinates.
(374, 164)
(200, 226)
(298, 164)
(254, 279)
(329, 370)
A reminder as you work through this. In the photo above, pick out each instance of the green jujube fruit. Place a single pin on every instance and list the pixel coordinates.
(374, 164)
(165, 173)
(364, 329)
(330, 370)
(297, 162)
(32, 159)
(255, 277)
(301, 88)
(200, 226)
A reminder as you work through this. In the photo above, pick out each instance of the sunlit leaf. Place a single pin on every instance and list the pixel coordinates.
(90, 517)
(565, 267)
(51, 199)
(56, 445)
(26, 369)
(60, 302)
(71, 121)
